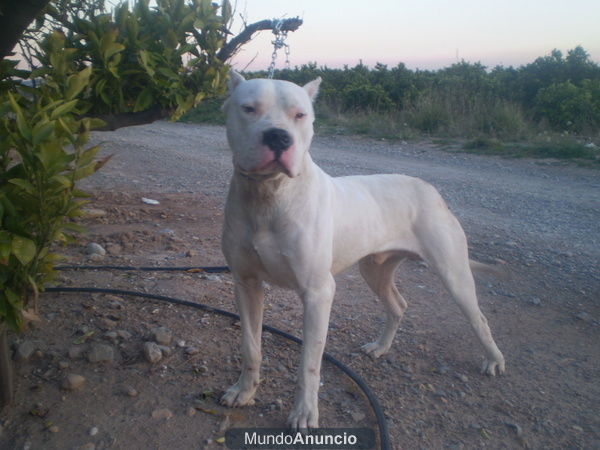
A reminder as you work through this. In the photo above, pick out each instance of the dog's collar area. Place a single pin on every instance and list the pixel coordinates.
(256, 176)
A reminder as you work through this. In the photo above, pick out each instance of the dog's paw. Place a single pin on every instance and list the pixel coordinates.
(374, 349)
(492, 366)
(304, 416)
(236, 396)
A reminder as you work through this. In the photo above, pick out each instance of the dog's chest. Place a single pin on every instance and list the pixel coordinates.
(275, 258)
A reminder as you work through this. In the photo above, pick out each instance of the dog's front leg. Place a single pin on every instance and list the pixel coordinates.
(249, 297)
(317, 306)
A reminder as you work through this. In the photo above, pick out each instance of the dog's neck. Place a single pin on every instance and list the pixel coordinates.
(266, 189)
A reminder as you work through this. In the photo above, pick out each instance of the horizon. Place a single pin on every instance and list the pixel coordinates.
(512, 34)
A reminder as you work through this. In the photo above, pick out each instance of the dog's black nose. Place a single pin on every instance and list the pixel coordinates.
(277, 140)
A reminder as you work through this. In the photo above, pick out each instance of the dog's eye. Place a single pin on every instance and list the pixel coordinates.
(248, 109)
(300, 115)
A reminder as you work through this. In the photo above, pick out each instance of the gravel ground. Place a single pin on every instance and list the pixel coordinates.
(538, 217)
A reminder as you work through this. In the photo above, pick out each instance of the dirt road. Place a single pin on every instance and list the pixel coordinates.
(539, 217)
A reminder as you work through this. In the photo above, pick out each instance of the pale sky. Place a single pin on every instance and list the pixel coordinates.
(425, 34)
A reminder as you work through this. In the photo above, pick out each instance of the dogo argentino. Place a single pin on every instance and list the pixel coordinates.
(289, 223)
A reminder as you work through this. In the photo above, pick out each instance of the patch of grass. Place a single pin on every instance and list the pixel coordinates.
(558, 148)
(208, 112)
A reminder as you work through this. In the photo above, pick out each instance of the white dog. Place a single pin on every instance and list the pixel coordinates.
(289, 223)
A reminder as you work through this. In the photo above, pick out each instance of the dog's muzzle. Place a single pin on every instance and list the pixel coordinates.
(278, 140)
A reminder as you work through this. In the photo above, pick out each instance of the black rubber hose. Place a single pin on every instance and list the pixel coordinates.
(210, 269)
(381, 421)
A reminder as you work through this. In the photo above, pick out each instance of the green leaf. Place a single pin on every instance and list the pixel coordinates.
(63, 180)
(41, 131)
(144, 100)
(63, 109)
(23, 184)
(23, 248)
(76, 83)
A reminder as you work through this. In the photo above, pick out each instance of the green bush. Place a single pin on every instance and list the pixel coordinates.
(42, 155)
(568, 107)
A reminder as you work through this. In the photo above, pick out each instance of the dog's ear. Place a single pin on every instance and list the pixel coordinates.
(312, 88)
(234, 79)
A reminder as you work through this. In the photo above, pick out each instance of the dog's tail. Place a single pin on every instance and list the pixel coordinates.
(497, 270)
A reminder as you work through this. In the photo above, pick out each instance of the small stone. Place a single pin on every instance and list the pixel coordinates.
(462, 377)
(162, 335)
(112, 335)
(76, 351)
(114, 249)
(93, 213)
(24, 351)
(536, 301)
(62, 365)
(358, 416)
(515, 426)
(152, 352)
(108, 323)
(130, 391)
(125, 335)
(211, 277)
(73, 382)
(162, 413)
(191, 253)
(577, 428)
(181, 343)
(95, 249)
(192, 350)
(96, 257)
(101, 353)
(53, 429)
(279, 404)
(165, 350)
(93, 431)
(583, 316)
(191, 411)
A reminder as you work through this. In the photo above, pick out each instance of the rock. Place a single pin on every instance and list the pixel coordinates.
(125, 335)
(462, 377)
(101, 353)
(93, 213)
(73, 382)
(191, 253)
(111, 335)
(162, 335)
(93, 431)
(24, 351)
(96, 257)
(130, 391)
(95, 249)
(536, 301)
(181, 343)
(76, 351)
(53, 429)
(358, 416)
(149, 201)
(192, 350)
(583, 316)
(162, 413)
(152, 352)
(62, 365)
(166, 351)
(191, 411)
(114, 249)
(515, 426)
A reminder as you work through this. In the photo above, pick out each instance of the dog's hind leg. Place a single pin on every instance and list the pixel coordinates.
(249, 296)
(378, 271)
(445, 248)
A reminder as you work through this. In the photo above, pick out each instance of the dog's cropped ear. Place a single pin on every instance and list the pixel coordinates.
(312, 88)
(234, 79)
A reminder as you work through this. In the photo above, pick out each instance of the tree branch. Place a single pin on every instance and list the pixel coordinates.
(116, 121)
(231, 48)
(14, 19)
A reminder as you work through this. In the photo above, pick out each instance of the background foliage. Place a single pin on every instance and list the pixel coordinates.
(554, 93)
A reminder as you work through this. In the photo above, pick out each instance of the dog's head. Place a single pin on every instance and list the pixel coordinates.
(269, 124)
